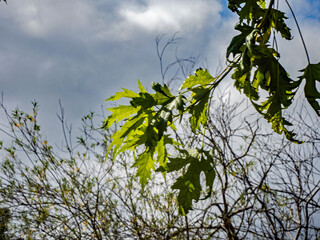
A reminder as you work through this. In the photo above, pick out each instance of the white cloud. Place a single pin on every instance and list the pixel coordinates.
(179, 15)
(304, 9)
(110, 20)
(59, 18)
(83, 51)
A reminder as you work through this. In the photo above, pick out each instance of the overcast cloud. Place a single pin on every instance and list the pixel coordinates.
(81, 52)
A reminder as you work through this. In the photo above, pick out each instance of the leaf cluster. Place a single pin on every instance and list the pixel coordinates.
(150, 120)
(70, 192)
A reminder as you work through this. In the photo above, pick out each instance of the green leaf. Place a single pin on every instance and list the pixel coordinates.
(243, 82)
(129, 129)
(250, 40)
(162, 97)
(250, 11)
(201, 77)
(141, 87)
(144, 163)
(119, 113)
(312, 74)
(196, 161)
(144, 100)
(278, 24)
(177, 163)
(164, 90)
(209, 171)
(271, 76)
(276, 20)
(126, 93)
(189, 187)
(161, 151)
(151, 136)
(245, 65)
(238, 41)
(198, 109)
(189, 184)
(164, 116)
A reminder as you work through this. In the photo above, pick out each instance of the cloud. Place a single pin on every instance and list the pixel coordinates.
(304, 9)
(83, 51)
(78, 20)
(109, 20)
(44, 18)
(180, 15)
(152, 17)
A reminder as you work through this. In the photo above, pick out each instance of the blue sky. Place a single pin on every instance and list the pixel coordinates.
(81, 52)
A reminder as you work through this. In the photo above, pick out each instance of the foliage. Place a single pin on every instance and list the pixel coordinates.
(251, 184)
(74, 194)
(151, 118)
(4, 222)
(264, 187)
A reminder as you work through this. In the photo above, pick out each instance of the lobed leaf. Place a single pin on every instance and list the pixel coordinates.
(119, 113)
(126, 93)
(201, 78)
(312, 74)
(189, 188)
(238, 41)
(278, 23)
(198, 109)
(129, 129)
(144, 164)
(189, 184)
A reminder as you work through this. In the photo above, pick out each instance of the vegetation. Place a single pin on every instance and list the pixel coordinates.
(150, 118)
(185, 164)
(265, 187)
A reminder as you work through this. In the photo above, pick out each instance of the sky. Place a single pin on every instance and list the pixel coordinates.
(81, 52)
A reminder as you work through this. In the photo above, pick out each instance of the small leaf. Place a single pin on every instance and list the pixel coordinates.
(277, 22)
(164, 90)
(312, 74)
(141, 87)
(126, 93)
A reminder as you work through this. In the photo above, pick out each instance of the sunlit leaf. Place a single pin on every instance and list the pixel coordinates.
(126, 93)
(201, 77)
(119, 113)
